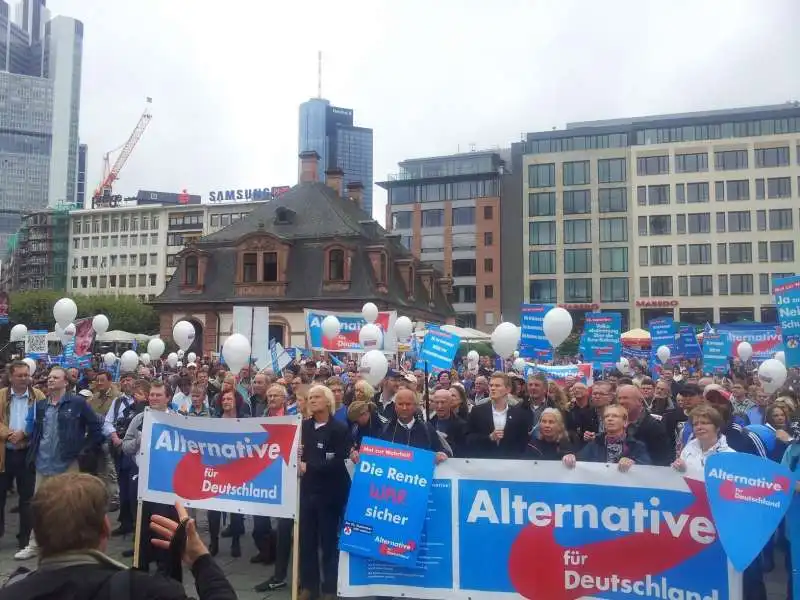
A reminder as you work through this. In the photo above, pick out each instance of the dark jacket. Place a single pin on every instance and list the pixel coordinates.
(94, 582)
(672, 420)
(80, 430)
(650, 431)
(539, 449)
(480, 425)
(582, 419)
(324, 451)
(595, 451)
(371, 429)
(385, 413)
(421, 435)
(455, 430)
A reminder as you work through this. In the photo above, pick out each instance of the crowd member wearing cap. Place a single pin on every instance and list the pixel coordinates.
(384, 399)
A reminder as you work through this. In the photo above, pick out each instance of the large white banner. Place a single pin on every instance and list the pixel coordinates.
(244, 466)
(537, 530)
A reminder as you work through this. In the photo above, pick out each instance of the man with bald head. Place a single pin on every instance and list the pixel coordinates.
(643, 426)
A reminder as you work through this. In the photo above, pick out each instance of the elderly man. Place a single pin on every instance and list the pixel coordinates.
(448, 425)
(643, 427)
(480, 391)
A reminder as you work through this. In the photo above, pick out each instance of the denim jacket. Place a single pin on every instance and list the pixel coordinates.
(79, 427)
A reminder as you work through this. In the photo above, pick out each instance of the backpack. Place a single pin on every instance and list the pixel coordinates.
(118, 585)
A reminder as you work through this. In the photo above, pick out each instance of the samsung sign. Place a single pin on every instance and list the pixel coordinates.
(246, 194)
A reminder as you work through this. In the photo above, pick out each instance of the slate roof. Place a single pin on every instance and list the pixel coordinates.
(319, 215)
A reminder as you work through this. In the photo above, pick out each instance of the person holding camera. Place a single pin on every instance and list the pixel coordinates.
(70, 522)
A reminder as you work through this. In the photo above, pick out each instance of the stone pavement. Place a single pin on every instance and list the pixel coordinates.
(241, 573)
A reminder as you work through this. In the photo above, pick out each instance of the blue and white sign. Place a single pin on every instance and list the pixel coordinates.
(232, 465)
(512, 529)
(787, 299)
(686, 344)
(388, 502)
(662, 333)
(439, 349)
(715, 353)
(749, 496)
(533, 343)
(601, 344)
(36, 344)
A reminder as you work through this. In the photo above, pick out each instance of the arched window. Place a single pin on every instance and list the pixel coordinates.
(190, 269)
(336, 265)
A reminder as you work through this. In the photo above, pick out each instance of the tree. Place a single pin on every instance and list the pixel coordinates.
(35, 310)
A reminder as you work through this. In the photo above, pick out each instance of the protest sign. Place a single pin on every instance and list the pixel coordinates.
(533, 344)
(787, 299)
(232, 465)
(662, 333)
(601, 344)
(715, 353)
(388, 502)
(765, 338)
(351, 324)
(686, 344)
(439, 348)
(36, 344)
(513, 529)
(559, 373)
(743, 488)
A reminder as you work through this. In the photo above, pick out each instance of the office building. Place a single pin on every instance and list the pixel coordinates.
(80, 190)
(329, 131)
(39, 250)
(446, 210)
(690, 215)
(121, 250)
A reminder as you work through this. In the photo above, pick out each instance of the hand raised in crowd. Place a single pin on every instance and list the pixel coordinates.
(679, 465)
(569, 461)
(165, 528)
(588, 436)
(624, 465)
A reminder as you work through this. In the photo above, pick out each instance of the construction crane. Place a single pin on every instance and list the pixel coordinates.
(103, 195)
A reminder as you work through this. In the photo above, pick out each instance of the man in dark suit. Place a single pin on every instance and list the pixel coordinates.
(644, 427)
(496, 429)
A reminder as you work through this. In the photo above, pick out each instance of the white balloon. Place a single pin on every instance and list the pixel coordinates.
(370, 337)
(623, 365)
(374, 366)
(100, 324)
(516, 353)
(18, 333)
(403, 328)
(172, 359)
(183, 334)
(128, 361)
(236, 352)
(744, 351)
(557, 325)
(370, 312)
(31, 364)
(473, 356)
(155, 348)
(144, 359)
(191, 357)
(663, 353)
(109, 358)
(181, 353)
(780, 355)
(331, 327)
(65, 311)
(505, 339)
(519, 365)
(772, 374)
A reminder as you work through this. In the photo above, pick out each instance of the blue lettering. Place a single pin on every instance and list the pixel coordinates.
(212, 197)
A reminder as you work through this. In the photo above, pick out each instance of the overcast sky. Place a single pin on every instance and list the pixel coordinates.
(430, 77)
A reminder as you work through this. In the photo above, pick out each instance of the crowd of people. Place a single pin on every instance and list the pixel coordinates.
(84, 421)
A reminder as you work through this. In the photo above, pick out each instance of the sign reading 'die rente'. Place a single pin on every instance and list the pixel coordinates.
(231, 465)
(388, 502)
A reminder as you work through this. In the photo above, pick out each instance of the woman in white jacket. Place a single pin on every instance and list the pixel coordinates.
(707, 440)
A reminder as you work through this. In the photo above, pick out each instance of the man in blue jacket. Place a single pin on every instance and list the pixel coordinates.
(60, 428)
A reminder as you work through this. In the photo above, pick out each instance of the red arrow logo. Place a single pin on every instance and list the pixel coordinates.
(187, 481)
(544, 577)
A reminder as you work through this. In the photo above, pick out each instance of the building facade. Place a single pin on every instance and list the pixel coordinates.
(38, 259)
(446, 210)
(80, 190)
(329, 131)
(691, 216)
(132, 250)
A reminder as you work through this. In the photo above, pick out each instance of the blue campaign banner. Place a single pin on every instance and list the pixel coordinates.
(715, 353)
(388, 501)
(533, 343)
(559, 373)
(576, 523)
(765, 338)
(351, 324)
(787, 299)
(601, 342)
(439, 349)
(743, 488)
(244, 466)
(686, 344)
(793, 534)
(635, 353)
(662, 333)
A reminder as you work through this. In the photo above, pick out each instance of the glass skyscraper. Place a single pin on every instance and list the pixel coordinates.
(329, 131)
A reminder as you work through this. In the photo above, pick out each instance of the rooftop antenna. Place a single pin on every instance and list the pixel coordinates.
(319, 74)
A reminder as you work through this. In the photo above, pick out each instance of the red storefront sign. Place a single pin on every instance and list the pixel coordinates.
(657, 303)
(580, 306)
